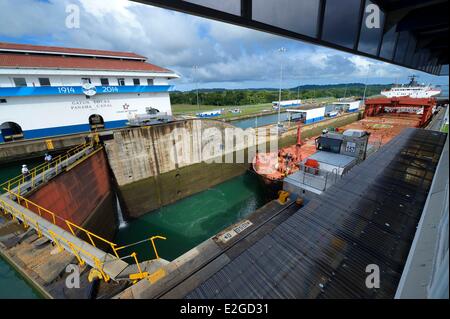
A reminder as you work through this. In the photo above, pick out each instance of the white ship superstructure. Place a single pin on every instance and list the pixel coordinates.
(412, 89)
(47, 91)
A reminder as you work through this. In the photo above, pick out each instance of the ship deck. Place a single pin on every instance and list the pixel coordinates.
(384, 127)
(267, 162)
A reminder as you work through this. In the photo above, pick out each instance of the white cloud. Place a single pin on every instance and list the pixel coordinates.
(224, 53)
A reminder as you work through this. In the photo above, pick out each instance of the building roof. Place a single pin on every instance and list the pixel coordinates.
(334, 159)
(44, 57)
(16, 47)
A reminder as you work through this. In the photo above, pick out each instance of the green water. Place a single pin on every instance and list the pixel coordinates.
(194, 219)
(14, 169)
(12, 285)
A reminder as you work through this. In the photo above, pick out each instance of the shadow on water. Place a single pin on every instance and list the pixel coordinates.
(12, 285)
(194, 219)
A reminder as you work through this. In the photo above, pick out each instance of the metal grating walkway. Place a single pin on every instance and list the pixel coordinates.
(368, 217)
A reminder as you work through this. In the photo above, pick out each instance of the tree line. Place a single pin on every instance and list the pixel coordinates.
(224, 97)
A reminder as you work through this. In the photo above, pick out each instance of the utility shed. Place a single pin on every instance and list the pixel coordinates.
(349, 106)
(322, 251)
(333, 162)
(309, 115)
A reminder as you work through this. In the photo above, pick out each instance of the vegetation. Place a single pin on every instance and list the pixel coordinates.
(252, 109)
(222, 97)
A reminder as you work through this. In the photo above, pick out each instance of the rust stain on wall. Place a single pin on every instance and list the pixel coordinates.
(75, 194)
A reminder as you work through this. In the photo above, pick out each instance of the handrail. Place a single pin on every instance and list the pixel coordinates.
(151, 239)
(27, 221)
(75, 229)
(17, 181)
(18, 177)
(29, 205)
(75, 249)
(316, 173)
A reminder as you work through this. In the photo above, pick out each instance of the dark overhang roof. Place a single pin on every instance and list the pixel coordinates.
(412, 33)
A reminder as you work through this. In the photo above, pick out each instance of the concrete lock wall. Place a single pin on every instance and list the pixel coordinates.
(149, 177)
(83, 195)
(26, 149)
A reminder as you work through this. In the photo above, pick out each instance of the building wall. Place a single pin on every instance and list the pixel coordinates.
(41, 116)
(315, 115)
(426, 272)
(82, 195)
(353, 106)
(6, 80)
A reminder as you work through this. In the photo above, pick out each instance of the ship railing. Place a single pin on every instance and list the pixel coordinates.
(317, 178)
(44, 171)
(77, 231)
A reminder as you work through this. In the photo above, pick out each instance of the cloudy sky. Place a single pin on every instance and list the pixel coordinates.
(227, 56)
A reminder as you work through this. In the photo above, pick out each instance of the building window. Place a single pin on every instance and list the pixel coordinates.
(20, 82)
(149, 81)
(104, 81)
(136, 82)
(121, 81)
(85, 80)
(44, 81)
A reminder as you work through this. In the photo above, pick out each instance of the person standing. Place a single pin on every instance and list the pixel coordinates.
(25, 171)
(47, 158)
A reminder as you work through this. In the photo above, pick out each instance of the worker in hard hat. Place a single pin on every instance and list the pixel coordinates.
(25, 171)
(47, 158)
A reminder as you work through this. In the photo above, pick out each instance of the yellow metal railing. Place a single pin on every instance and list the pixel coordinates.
(41, 211)
(17, 181)
(141, 274)
(76, 231)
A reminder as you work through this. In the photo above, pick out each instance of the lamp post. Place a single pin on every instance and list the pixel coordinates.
(281, 50)
(365, 86)
(195, 67)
